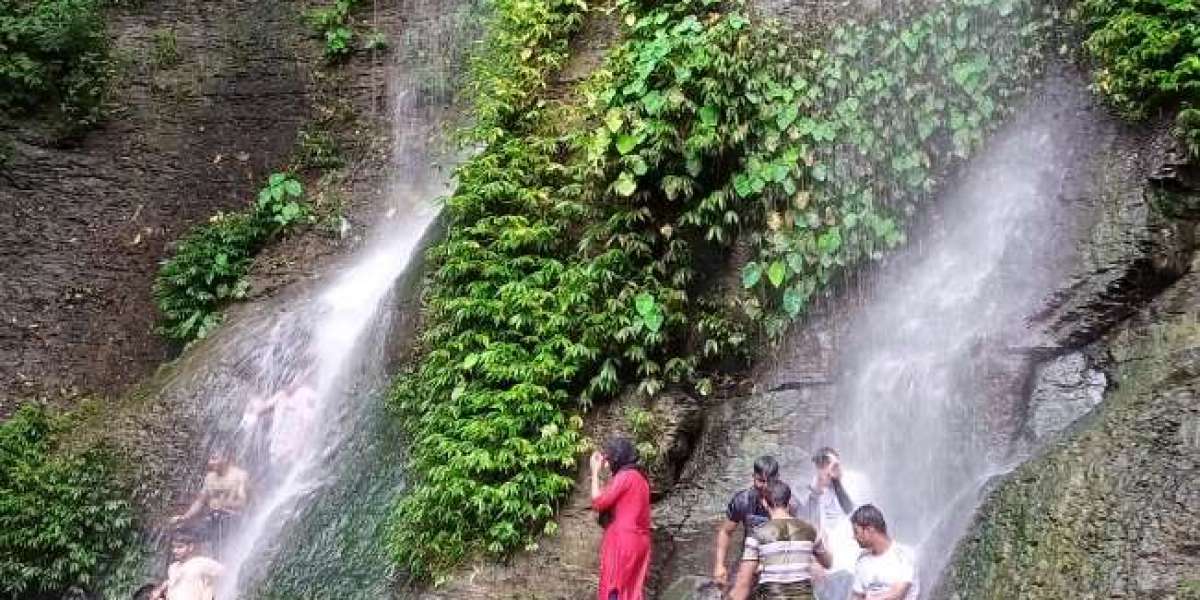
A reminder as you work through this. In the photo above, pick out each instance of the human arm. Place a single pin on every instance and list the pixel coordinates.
(158, 593)
(598, 491)
(821, 552)
(745, 579)
(197, 505)
(724, 532)
(843, 497)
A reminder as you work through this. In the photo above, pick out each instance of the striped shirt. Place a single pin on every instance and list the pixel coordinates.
(784, 551)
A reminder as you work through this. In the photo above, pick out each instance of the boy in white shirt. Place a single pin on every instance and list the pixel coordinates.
(190, 577)
(885, 570)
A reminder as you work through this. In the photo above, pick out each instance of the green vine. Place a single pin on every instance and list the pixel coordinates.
(487, 407)
(885, 111)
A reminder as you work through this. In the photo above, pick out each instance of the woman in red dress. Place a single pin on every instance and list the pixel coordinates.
(625, 550)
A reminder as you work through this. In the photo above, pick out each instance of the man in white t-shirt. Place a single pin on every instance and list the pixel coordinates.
(885, 570)
(190, 577)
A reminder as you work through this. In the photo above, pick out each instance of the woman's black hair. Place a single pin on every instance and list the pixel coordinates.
(620, 453)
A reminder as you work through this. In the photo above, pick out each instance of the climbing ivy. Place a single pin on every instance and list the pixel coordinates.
(487, 407)
(1148, 55)
(209, 266)
(881, 113)
(62, 520)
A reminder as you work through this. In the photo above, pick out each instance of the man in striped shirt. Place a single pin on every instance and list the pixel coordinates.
(783, 551)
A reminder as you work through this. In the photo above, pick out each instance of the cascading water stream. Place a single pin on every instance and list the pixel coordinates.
(289, 390)
(915, 416)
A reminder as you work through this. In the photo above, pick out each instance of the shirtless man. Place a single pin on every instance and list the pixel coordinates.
(222, 498)
(293, 413)
(190, 576)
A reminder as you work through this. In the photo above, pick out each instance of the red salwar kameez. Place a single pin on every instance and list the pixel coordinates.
(625, 550)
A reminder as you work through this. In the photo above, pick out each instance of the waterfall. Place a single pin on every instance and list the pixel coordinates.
(293, 392)
(931, 381)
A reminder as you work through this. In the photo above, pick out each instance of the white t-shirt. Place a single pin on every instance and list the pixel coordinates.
(873, 575)
(193, 579)
(836, 529)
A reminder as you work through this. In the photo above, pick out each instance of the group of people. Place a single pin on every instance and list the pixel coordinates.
(817, 544)
(278, 424)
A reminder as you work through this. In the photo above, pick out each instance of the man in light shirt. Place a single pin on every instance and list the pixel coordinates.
(828, 506)
(190, 576)
(885, 570)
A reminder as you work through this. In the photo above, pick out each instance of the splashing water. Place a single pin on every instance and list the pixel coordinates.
(927, 366)
(288, 391)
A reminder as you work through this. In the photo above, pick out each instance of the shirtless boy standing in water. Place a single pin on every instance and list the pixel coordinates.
(222, 498)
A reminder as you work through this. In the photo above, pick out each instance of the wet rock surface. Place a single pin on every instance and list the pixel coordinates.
(1109, 508)
(1111, 511)
(85, 226)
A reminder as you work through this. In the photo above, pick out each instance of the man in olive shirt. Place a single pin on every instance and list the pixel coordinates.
(784, 552)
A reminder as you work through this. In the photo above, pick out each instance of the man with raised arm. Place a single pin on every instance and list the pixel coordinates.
(885, 570)
(785, 552)
(222, 497)
(745, 509)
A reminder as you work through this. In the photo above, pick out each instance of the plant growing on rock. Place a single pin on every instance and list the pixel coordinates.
(209, 266)
(53, 59)
(1148, 55)
(62, 520)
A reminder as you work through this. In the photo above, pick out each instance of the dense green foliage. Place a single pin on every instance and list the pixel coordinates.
(579, 254)
(1149, 57)
(487, 407)
(53, 56)
(880, 114)
(209, 266)
(62, 521)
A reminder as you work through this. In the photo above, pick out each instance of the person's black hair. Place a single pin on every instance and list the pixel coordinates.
(767, 467)
(620, 453)
(185, 535)
(143, 593)
(824, 456)
(869, 516)
(777, 494)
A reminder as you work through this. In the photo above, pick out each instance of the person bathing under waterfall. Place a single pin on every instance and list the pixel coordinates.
(746, 509)
(829, 507)
(222, 497)
(885, 570)
(293, 412)
(624, 509)
(190, 576)
(785, 552)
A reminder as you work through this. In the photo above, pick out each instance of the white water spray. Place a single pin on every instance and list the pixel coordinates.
(916, 413)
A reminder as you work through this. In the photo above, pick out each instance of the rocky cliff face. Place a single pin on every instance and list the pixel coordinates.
(207, 100)
(1109, 508)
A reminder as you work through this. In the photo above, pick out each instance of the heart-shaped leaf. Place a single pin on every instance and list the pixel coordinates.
(751, 273)
(776, 273)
